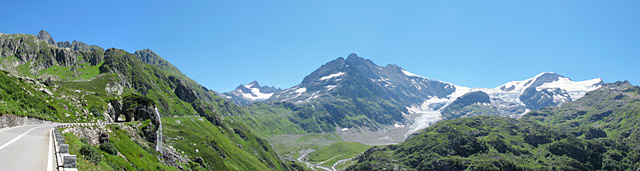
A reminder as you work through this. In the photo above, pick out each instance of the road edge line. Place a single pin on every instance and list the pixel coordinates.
(49, 153)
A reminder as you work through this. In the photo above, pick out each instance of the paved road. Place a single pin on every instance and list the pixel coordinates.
(27, 148)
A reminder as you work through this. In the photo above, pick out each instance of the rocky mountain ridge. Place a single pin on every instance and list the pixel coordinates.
(252, 92)
(390, 97)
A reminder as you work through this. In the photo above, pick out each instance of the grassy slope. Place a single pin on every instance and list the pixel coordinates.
(133, 156)
(24, 99)
(336, 152)
(268, 120)
(92, 70)
(218, 146)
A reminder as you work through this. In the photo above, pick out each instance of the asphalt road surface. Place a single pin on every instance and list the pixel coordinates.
(27, 148)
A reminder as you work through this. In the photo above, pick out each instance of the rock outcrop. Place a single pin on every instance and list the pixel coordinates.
(137, 108)
(183, 91)
(44, 35)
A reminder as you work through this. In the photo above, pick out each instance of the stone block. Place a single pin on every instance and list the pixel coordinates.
(64, 148)
(60, 141)
(69, 161)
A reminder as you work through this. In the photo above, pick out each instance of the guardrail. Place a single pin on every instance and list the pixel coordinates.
(64, 160)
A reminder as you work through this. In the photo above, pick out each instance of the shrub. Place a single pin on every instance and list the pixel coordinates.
(91, 154)
(109, 148)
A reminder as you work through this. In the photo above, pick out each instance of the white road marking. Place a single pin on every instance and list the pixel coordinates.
(17, 138)
(49, 164)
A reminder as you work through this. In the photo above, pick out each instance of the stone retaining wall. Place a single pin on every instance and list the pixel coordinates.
(7, 120)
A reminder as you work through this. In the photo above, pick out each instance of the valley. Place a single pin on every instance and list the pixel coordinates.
(355, 100)
(348, 114)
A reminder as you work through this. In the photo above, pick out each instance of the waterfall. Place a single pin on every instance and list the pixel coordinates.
(159, 133)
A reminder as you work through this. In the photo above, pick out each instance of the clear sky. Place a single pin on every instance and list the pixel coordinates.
(222, 44)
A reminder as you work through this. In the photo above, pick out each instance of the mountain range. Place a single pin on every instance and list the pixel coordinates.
(355, 92)
(252, 92)
(596, 132)
(546, 122)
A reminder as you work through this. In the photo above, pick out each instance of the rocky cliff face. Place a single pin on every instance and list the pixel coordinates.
(136, 108)
(183, 91)
(41, 52)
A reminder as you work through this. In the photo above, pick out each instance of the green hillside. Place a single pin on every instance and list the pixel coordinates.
(596, 132)
(75, 82)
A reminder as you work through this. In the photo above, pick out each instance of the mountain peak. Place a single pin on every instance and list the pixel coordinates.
(44, 35)
(352, 55)
(253, 84)
(249, 93)
(545, 77)
(354, 59)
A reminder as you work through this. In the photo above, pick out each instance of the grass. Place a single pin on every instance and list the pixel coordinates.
(218, 147)
(289, 145)
(336, 152)
(96, 85)
(24, 69)
(132, 156)
(64, 73)
(268, 120)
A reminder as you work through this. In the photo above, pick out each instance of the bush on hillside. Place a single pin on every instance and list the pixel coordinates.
(91, 154)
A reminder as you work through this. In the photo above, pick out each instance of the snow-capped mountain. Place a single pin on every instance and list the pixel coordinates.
(390, 81)
(512, 99)
(252, 92)
(355, 92)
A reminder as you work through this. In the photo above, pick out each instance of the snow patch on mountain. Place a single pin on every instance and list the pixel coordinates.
(332, 76)
(256, 94)
(329, 87)
(575, 89)
(301, 90)
(252, 92)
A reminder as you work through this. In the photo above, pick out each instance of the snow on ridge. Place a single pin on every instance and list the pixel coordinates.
(576, 89)
(332, 76)
(256, 94)
(460, 91)
(410, 74)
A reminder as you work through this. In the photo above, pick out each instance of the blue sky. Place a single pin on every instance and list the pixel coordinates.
(222, 44)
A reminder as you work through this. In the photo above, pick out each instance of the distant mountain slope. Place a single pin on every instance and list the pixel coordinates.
(596, 132)
(252, 92)
(612, 111)
(356, 93)
(517, 97)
